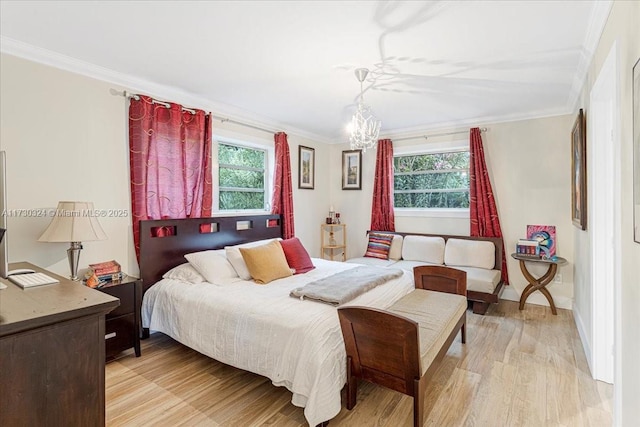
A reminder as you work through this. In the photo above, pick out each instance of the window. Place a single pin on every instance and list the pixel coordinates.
(434, 180)
(241, 177)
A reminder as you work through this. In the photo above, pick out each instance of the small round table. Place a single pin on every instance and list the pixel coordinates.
(538, 284)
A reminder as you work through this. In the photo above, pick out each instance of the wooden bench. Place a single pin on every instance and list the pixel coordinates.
(401, 347)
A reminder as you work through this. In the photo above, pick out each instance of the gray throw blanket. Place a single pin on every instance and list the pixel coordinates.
(346, 285)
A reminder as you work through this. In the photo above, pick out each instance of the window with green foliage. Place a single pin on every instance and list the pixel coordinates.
(437, 180)
(241, 177)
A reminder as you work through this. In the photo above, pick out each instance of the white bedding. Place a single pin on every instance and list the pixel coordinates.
(260, 328)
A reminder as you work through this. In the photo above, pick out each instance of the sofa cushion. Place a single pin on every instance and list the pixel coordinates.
(395, 252)
(480, 279)
(436, 313)
(423, 248)
(470, 253)
(376, 262)
(409, 265)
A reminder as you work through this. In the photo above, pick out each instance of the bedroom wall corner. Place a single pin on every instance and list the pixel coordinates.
(65, 138)
(310, 206)
(529, 165)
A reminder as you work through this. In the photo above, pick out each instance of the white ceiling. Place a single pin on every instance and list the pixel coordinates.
(290, 64)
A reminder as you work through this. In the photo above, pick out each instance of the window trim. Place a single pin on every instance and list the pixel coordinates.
(215, 172)
(432, 148)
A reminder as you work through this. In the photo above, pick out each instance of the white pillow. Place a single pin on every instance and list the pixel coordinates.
(235, 257)
(213, 265)
(470, 253)
(184, 273)
(395, 251)
(423, 248)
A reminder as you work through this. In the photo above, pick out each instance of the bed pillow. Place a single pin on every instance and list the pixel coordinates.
(379, 245)
(184, 273)
(297, 256)
(213, 266)
(266, 263)
(235, 257)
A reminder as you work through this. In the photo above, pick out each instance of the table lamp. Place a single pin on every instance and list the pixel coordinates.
(74, 222)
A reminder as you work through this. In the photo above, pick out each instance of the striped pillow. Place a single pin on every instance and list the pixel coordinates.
(379, 245)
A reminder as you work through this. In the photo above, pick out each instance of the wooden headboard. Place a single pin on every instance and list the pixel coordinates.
(182, 236)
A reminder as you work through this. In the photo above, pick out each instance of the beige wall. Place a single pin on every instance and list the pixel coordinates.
(529, 165)
(65, 137)
(622, 27)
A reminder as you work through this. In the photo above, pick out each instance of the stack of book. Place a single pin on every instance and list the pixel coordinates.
(528, 248)
(109, 271)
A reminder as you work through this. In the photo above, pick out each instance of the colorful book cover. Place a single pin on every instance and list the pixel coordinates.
(104, 271)
(103, 265)
(546, 237)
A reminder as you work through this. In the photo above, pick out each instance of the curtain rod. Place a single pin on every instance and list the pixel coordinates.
(247, 125)
(128, 94)
(435, 134)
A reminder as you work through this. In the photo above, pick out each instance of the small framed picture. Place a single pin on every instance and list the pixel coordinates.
(306, 167)
(352, 170)
(636, 151)
(579, 173)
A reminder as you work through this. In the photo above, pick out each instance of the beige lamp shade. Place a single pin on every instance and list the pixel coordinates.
(74, 222)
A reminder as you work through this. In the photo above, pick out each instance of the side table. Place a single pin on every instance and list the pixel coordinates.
(540, 283)
(333, 245)
(122, 325)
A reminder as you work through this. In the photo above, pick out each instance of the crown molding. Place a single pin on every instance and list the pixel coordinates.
(419, 132)
(597, 21)
(134, 84)
(164, 92)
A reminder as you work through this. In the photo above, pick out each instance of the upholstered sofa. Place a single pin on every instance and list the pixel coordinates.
(480, 257)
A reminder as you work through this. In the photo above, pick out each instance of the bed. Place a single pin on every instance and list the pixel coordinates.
(296, 343)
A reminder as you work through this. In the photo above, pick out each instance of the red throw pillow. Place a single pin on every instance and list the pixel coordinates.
(297, 256)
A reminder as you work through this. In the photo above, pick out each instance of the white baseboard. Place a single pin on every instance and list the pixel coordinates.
(586, 343)
(509, 293)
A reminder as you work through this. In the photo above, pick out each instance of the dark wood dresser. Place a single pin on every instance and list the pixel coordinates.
(122, 327)
(52, 353)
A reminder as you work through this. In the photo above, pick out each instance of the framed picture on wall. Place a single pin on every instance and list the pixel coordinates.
(306, 167)
(636, 152)
(352, 170)
(579, 172)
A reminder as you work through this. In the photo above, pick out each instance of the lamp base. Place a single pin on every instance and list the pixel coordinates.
(73, 253)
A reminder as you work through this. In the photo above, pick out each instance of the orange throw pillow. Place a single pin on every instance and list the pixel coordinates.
(266, 263)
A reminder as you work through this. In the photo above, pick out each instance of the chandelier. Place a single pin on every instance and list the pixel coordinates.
(364, 127)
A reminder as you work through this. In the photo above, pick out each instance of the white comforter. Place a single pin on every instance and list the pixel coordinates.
(260, 328)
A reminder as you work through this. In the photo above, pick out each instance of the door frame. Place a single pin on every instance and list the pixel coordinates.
(605, 222)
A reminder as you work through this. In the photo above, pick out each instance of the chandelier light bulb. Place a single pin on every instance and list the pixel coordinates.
(364, 127)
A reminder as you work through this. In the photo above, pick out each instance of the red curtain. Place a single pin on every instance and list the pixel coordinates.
(170, 161)
(482, 209)
(382, 217)
(282, 201)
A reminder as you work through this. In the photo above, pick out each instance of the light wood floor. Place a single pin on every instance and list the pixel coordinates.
(518, 368)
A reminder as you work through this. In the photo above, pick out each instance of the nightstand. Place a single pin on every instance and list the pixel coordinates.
(331, 246)
(122, 325)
